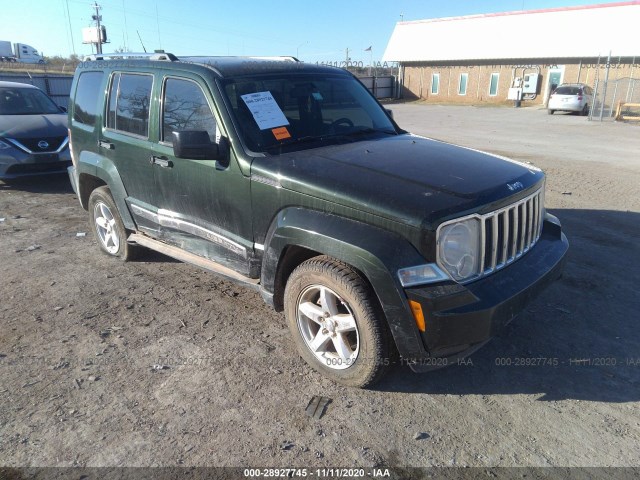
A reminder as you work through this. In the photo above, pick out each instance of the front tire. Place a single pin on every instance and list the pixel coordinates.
(107, 226)
(550, 112)
(336, 322)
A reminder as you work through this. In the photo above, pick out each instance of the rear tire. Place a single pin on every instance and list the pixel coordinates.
(550, 112)
(107, 226)
(585, 110)
(336, 322)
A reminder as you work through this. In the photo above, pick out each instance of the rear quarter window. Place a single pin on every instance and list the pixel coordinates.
(85, 105)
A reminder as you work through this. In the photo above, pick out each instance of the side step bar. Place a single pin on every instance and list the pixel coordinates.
(198, 261)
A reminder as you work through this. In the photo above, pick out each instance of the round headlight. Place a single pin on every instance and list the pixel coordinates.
(458, 248)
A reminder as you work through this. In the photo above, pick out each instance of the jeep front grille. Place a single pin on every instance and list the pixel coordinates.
(510, 232)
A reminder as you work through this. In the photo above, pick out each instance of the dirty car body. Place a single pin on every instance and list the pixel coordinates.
(296, 182)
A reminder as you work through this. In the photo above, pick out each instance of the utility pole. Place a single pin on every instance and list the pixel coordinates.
(347, 56)
(97, 17)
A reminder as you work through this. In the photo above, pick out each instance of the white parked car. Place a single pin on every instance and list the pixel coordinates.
(571, 97)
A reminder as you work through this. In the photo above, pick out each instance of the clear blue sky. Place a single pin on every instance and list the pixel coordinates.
(315, 31)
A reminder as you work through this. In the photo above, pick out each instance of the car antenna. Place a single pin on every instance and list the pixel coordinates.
(145, 50)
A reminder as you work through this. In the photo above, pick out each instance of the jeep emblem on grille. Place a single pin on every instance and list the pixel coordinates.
(515, 186)
(43, 145)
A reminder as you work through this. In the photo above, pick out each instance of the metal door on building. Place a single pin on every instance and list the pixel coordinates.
(553, 80)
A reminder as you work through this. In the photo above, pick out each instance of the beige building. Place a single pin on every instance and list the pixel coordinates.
(479, 58)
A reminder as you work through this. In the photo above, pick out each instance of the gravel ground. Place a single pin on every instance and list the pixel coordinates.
(80, 334)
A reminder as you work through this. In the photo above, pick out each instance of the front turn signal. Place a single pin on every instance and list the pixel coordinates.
(418, 316)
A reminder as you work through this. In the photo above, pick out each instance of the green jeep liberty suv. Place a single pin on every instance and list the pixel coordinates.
(293, 180)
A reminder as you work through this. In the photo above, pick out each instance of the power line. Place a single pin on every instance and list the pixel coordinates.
(209, 28)
(125, 34)
(158, 25)
(73, 44)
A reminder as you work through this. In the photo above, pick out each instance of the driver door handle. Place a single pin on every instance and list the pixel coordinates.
(163, 162)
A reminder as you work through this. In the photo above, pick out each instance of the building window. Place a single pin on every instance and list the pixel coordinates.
(435, 83)
(462, 86)
(493, 84)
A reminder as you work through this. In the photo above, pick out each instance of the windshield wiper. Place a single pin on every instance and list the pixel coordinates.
(362, 131)
(370, 130)
(333, 136)
(294, 141)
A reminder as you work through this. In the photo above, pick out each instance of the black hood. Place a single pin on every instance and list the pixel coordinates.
(405, 178)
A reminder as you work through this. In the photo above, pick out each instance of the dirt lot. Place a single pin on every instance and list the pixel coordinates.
(80, 332)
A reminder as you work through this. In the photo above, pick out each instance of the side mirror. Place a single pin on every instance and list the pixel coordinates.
(62, 109)
(196, 145)
(389, 112)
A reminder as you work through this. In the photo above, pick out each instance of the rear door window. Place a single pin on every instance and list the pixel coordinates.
(128, 106)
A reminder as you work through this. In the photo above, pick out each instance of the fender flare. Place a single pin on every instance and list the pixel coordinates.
(375, 252)
(102, 168)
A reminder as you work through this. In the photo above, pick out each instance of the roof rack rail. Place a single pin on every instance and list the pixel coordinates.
(160, 55)
(284, 58)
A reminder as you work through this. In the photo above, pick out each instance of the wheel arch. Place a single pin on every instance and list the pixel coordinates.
(86, 184)
(290, 257)
(297, 234)
(95, 171)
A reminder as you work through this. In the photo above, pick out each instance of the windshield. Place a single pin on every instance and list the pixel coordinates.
(25, 101)
(281, 113)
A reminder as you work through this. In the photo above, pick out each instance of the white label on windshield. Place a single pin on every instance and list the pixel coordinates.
(265, 110)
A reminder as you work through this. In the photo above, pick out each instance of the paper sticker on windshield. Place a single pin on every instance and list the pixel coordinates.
(265, 110)
(281, 133)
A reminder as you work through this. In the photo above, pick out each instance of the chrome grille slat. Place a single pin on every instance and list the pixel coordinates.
(508, 239)
(494, 241)
(530, 222)
(516, 231)
(541, 213)
(482, 244)
(505, 238)
(536, 215)
(522, 214)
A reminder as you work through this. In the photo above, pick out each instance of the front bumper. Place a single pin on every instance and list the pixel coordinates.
(19, 164)
(461, 318)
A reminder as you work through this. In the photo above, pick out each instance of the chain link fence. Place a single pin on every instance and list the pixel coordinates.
(613, 96)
